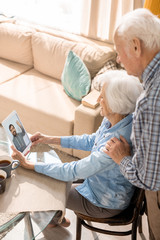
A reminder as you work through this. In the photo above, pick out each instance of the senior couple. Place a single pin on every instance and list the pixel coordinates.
(113, 168)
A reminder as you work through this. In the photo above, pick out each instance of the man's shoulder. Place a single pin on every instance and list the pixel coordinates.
(153, 98)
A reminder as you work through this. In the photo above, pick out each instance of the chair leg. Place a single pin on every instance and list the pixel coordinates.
(78, 229)
(140, 224)
(134, 230)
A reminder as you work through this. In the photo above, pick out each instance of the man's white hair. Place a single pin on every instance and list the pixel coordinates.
(121, 91)
(141, 24)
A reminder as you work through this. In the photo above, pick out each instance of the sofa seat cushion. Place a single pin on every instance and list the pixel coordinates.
(9, 69)
(41, 103)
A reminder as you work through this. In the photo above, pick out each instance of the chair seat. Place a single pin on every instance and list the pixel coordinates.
(123, 218)
(131, 215)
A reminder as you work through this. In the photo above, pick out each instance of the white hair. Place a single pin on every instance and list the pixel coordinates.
(141, 24)
(121, 90)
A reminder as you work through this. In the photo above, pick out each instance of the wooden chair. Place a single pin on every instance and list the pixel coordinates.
(132, 215)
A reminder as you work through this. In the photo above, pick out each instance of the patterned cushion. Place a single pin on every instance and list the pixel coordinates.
(110, 65)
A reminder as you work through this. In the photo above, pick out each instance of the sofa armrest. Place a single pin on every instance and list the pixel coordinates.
(87, 120)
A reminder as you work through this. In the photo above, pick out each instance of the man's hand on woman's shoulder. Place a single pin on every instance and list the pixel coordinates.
(117, 149)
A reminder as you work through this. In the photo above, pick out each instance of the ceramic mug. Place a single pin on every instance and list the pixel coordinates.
(3, 176)
(7, 164)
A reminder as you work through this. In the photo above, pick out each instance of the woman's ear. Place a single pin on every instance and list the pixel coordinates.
(136, 47)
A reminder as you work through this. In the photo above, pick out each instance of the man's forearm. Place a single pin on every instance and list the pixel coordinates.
(130, 172)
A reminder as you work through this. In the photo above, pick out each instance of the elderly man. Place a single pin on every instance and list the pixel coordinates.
(137, 42)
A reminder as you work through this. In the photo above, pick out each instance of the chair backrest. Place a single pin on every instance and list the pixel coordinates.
(137, 202)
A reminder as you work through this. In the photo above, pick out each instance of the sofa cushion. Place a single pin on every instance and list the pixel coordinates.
(15, 43)
(75, 77)
(41, 102)
(96, 83)
(9, 69)
(50, 53)
(94, 57)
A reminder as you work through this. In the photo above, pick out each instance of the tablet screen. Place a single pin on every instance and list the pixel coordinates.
(16, 133)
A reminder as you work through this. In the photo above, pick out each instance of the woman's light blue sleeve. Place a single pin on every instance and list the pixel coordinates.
(81, 169)
(83, 142)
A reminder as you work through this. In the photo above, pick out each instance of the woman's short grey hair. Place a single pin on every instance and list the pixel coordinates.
(141, 24)
(121, 91)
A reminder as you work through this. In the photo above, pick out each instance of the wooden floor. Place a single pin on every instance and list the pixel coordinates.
(60, 233)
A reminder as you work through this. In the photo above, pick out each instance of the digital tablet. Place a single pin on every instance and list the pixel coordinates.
(16, 133)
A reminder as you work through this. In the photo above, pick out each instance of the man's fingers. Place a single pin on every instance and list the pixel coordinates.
(108, 143)
(105, 151)
(123, 139)
(107, 146)
(114, 139)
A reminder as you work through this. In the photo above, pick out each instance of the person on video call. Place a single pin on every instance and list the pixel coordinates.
(104, 192)
(18, 138)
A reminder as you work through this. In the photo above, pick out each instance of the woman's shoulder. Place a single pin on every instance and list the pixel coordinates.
(125, 129)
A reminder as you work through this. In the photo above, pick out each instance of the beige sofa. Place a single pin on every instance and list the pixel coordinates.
(31, 64)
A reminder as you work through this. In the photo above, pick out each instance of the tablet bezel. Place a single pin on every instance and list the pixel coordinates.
(9, 120)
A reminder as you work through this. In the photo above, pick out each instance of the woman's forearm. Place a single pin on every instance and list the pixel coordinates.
(54, 140)
(28, 165)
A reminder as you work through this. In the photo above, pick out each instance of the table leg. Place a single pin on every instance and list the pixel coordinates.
(28, 226)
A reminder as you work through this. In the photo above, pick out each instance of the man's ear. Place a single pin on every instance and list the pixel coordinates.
(136, 47)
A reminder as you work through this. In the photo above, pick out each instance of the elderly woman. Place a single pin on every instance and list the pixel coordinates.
(105, 192)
